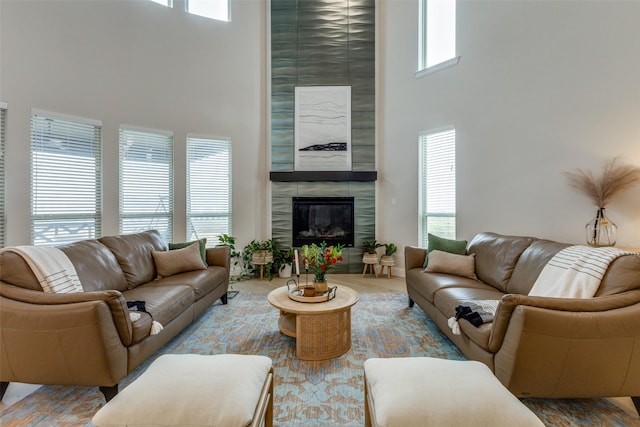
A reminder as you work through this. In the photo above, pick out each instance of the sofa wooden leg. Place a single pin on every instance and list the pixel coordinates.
(636, 402)
(224, 299)
(410, 302)
(3, 388)
(109, 392)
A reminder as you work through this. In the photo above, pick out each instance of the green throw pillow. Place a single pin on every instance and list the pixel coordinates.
(201, 242)
(458, 247)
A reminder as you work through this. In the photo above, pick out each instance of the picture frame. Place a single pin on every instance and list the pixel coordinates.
(322, 128)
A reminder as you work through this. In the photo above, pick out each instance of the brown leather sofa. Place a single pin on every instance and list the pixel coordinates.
(537, 346)
(88, 338)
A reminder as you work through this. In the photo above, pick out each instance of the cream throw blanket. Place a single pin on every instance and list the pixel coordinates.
(575, 272)
(52, 268)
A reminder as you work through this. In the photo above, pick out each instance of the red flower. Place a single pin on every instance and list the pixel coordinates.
(323, 267)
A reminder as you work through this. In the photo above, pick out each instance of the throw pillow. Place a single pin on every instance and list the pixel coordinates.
(202, 243)
(435, 243)
(458, 265)
(177, 261)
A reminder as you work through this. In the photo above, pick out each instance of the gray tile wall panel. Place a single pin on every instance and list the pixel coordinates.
(330, 43)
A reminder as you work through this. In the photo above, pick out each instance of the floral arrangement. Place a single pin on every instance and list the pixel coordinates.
(320, 259)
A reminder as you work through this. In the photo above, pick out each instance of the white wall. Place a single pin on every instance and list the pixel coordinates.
(137, 63)
(542, 87)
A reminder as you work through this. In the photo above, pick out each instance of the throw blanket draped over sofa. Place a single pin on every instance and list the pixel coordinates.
(538, 346)
(88, 337)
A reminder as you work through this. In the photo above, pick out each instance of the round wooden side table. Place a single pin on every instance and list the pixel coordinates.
(322, 330)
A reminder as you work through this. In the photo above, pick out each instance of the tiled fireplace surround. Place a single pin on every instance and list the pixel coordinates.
(363, 194)
(332, 43)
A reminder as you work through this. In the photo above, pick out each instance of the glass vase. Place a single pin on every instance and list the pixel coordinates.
(320, 283)
(601, 231)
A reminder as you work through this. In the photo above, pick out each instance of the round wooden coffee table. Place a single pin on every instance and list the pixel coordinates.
(322, 330)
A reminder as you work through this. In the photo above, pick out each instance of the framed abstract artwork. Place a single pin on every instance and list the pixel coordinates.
(322, 128)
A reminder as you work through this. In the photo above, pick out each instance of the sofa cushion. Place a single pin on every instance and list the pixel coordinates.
(133, 252)
(177, 261)
(428, 284)
(202, 243)
(446, 301)
(164, 303)
(97, 267)
(531, 264)
(458, 265)
(496, 256)
(436, 243)
(202, 281)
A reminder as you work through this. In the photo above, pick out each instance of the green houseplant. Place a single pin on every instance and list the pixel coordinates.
(387, 260)
(370, 256)
(227, 240)
(283, 261)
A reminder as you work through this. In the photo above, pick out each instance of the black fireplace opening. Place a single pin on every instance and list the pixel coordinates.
(318, 219)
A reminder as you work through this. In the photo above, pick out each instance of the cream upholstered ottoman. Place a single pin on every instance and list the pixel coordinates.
(195, 390)
(423, 391)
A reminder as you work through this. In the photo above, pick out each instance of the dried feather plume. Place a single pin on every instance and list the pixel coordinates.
(601, 189)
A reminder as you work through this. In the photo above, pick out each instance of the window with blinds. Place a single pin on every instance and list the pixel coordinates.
(66, 200)
(208, 189)
(3, 217)
(146, 182)
(437, 186)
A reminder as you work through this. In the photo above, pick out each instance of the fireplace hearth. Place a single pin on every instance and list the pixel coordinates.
(318, 219)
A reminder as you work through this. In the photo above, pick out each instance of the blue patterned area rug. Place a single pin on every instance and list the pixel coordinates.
(326, 393)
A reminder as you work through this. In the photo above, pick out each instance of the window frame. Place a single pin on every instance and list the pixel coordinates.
(143, 211)
(192, 12)
(423, 43)
(423, 208)
(192, 233)
(39, 118)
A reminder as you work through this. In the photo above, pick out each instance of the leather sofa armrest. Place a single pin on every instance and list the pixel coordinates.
(220, 256)
(114, 300)
(510, 302)
(414, 257)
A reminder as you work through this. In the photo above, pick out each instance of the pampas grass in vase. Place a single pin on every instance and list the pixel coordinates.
(600, 231)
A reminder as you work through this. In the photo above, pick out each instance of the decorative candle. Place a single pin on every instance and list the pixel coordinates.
(295, 256)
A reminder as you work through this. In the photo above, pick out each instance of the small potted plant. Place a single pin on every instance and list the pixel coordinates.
(283, 261)
(387, 260)
(370, 256)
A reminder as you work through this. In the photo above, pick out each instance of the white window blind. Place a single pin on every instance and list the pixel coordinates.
(146, 182)
(208, 189)
(65, 179)
(437, 187)
(3, 217)
(213, 9)
(437, 33)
